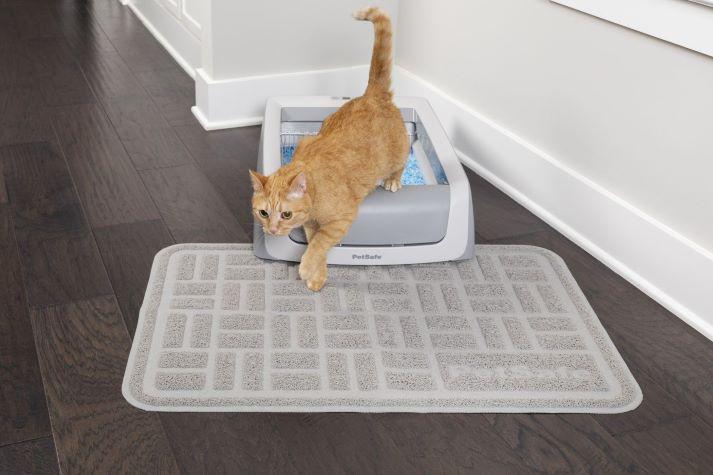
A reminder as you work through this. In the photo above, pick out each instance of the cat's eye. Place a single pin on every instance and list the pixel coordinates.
(263, 213)
(286, 214)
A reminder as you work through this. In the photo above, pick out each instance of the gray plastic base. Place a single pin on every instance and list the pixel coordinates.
(412, 215)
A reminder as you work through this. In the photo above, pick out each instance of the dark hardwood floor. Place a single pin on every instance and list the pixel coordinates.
(100, 160)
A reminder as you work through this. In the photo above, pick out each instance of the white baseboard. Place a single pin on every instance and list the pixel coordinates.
(237, 102)
(178, 41)
(665, 265)
(227, 124)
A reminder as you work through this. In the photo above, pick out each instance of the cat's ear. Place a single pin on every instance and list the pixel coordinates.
(258, 181)
(298, 186)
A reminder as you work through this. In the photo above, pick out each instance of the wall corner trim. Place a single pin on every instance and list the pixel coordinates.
(620, 235)
(227, 124)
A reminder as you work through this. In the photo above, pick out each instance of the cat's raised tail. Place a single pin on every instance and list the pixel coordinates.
(380, 70)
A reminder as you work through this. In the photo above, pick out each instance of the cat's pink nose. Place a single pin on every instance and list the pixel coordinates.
(272, 230)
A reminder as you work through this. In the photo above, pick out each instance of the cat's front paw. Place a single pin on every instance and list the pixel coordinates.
(314, 271)
(305, 270)
(316, 282)
(392, 184)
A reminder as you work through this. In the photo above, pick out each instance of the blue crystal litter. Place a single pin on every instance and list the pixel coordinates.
(412, 172)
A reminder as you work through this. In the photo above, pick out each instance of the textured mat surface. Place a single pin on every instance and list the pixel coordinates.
(509, 331)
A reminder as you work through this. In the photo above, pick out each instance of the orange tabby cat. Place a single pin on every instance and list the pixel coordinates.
(361, 144)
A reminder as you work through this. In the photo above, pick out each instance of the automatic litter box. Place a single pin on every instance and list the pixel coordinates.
(429, 219)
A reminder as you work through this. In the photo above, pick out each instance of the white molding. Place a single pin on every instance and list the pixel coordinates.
(667, 266)
(227, 124)
(189, 21)
(685, 23)
(237, 102)
(181, 44)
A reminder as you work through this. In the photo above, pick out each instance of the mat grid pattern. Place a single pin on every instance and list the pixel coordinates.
(506, 331)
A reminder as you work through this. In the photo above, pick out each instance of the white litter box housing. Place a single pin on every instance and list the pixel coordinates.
(429, 220)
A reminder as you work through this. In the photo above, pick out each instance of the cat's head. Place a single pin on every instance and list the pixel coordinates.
(280, 203)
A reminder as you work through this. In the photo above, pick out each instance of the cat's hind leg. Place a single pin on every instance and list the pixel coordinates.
(393, 181)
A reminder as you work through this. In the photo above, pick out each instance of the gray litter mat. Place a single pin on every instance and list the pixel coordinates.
(508, 331)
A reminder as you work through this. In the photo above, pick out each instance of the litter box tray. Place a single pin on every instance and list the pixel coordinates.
(430, 219)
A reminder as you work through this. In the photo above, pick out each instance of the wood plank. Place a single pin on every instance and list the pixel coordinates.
(29, 21)
(82, 348)
(3, 187)
(496, 214)
(23, 414)
(23, 410)
(662, 433)
(173, 91)
(48, 66)
(238, 146)
(66, 86)
(58, 77)
(36, 21)
(23, 115)
(83, 35)
(41, 192)
(128, 251)
(106, 180)
(149, 140)
(60, 261)
(117, 21)
(18, 67)
(190, 206)
(568, 443)
(63, 269)
(331, 442)
(110, 77)
(141, 51)
(225, 156)
(8, 26)
(227, 443)
(47, 55)
(35, 456)
(658, 407)
(650, 338)
(230, 186)
(444, 443)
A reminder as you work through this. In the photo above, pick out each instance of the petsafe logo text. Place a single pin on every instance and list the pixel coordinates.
(366, 256)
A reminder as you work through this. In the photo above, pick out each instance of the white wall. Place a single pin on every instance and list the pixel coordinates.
(251, 38)
(253, 50)
(629, 112)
